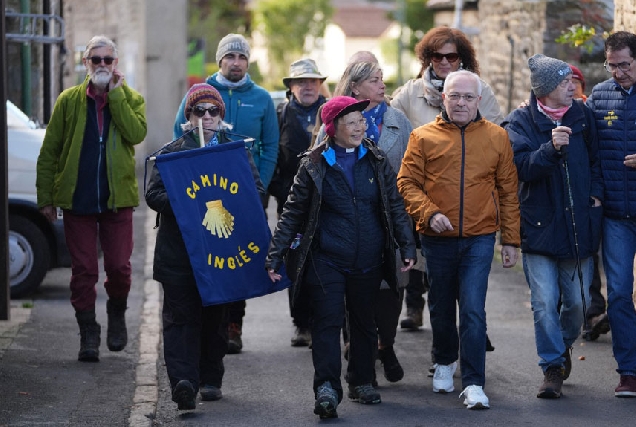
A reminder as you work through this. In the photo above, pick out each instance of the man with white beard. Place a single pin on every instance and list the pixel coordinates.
(86, 168)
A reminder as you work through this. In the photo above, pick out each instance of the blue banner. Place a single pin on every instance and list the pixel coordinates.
(221, 218)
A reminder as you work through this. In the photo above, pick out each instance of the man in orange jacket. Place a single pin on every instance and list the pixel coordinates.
(459, 183)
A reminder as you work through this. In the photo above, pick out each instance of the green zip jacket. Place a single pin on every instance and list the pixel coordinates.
(58, 162)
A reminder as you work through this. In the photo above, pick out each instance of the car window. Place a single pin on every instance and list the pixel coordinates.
(17, 119)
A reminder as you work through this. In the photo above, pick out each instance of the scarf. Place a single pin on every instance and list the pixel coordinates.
(433, 86)
(554, 114)
(225, 82)
(374, 118)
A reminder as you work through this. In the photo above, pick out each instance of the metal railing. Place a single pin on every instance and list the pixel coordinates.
(31, 25)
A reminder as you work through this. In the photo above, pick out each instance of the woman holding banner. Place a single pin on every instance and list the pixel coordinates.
(338, 234)
(195, 337)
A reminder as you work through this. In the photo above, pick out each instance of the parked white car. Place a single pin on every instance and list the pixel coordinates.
(35, 245)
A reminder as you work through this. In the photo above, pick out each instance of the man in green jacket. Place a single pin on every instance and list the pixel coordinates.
(86, 167)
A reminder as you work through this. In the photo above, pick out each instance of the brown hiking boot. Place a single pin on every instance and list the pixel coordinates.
(552, 382)
(413, 319)
(234, 341)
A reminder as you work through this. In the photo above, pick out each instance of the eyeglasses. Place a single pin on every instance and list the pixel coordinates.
(450, 57)
(200, 111)
(96, 60)
(623, 66)
(455, 97)
(355, 123)
(566, 82)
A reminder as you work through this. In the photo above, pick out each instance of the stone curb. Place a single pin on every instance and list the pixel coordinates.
(144, 407)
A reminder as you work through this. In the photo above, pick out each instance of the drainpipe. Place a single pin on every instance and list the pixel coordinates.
(401, 12)
(457, 19)
(26, 64)
(47, 80)
(512, 72)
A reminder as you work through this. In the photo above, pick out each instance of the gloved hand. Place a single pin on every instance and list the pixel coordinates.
(218, 220)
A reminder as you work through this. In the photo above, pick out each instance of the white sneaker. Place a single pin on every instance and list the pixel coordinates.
(443, 378)
(474, 397)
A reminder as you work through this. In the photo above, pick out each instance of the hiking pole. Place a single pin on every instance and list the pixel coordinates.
(564, 154)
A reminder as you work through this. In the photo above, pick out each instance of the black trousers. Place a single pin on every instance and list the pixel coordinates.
(301, 309)
(388, 306)
(333, 293)
(597, 300)
(415, 289)
(194, 337)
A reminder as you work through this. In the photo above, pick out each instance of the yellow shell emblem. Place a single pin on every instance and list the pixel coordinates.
(218, 221)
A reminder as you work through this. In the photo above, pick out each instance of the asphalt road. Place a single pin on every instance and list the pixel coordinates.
(269, 384)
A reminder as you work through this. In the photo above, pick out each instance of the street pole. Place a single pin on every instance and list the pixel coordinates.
(401, 13)
(457, 20)
(4, 188)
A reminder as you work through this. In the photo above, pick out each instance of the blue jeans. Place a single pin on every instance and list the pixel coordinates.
(458, 269)
(619, 248)
(553, 281)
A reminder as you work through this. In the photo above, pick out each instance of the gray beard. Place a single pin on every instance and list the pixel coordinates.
(101, 80)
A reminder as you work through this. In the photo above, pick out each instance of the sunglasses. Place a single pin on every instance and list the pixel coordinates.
(200, 111)
(96, 60)
(450, 57)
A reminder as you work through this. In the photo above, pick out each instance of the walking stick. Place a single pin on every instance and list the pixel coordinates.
(564, 154)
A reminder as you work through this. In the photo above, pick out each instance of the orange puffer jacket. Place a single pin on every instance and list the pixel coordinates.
(467, 174)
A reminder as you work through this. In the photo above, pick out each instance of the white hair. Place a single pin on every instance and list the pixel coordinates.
(100, 41)
(459, 73)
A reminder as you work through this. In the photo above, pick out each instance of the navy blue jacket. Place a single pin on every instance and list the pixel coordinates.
(615, 114)
(306, 205)
(546, 217)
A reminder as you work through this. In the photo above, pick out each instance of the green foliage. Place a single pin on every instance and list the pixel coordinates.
(210, 20)
(418, 18)
(595, 24)
(286, 26)
(578, 35)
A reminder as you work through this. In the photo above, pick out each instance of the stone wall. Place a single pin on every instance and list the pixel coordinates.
(151, 37)
(510, 32)
(121, 20)
(625, 15)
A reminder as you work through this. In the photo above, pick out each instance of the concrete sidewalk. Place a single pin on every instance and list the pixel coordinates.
(20, 312)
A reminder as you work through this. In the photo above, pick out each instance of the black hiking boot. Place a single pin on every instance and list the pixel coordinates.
(117, 334)
(393, 371)
(90, 336)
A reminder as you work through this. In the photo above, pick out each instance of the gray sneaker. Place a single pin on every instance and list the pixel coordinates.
(326, 401)
(210, 393)
(364, 394)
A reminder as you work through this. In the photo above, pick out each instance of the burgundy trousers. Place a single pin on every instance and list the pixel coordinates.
(115, 233)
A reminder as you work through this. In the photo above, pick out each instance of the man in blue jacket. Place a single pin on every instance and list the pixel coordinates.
(250, 112)
(560, 193)
(614, 104)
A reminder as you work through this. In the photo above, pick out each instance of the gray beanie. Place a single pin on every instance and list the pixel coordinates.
(546, 73)
(232, 43)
